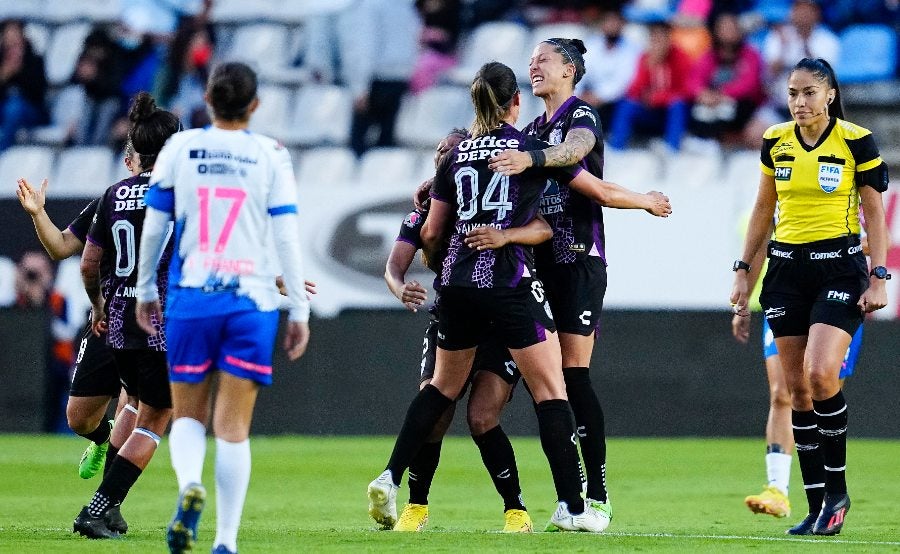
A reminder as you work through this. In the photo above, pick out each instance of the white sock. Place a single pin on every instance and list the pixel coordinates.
(778, 469)
(232, 479)
(187, 447)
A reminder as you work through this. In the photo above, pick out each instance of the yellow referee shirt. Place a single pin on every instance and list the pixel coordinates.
(817, 185)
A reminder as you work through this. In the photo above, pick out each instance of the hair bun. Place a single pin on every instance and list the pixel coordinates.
(579, 45)
(142, 107)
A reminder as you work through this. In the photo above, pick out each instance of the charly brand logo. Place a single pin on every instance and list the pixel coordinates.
(829, 177)
(584, 112)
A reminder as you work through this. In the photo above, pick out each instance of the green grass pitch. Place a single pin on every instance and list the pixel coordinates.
(307, 494)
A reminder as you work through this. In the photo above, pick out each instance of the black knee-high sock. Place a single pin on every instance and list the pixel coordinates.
(100, 434)
(831, 417)
(421, 472)
(111, 453)
(812, 465)
(558, 441)
(500, 460)
(424, 411)
(590, 427)
(115, 486)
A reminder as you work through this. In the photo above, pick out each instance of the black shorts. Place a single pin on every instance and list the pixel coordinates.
(491, 356)
(95, 372)
(816, 282)
(519, 316)
(145, 374)
(576, 292)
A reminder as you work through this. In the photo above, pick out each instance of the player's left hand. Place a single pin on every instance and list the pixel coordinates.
(510, 162)
(486, 237)
(296, 338)
(98, 321)
(660, 205)
(874, 298)
(740, 328)
(144, 313)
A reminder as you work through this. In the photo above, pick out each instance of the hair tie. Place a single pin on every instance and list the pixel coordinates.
(566, 50)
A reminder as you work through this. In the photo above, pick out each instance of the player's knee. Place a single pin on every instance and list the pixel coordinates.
(481, 420)
(780, 397)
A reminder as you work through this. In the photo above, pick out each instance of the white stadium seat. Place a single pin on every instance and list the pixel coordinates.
(634, 169)
(66, 109)
(558, 30)
(39, 36)
(497, 41)
(34, 163)
(325, 167)
(387, 166)
(22, 9)
(63, 51)
(242, 11)
(82, 172)
(262, 45)
(274, 108)
(426, 118)
(322, 114)
(64, 11)
(7, 282)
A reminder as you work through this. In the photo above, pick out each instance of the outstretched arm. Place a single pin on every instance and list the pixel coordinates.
(573, 149)
(611, 195)
(59, 244)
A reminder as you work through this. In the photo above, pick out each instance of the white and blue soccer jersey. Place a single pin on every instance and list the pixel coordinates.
(222, 188)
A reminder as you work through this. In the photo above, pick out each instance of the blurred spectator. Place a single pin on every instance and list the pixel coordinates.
(838, 14)
(377, 66)
(23, 83)
(803, 37)
(689, 29)
(656, 101)
(611, 61)
(34, 290)
(440, 35)
(99, 71)
(181, 82)
(726, 84)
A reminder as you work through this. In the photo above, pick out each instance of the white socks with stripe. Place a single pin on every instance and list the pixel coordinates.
(232, 479)
(778, 470)
(187, 447)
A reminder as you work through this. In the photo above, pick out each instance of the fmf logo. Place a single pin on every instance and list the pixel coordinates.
(838, 296)
(783, 173)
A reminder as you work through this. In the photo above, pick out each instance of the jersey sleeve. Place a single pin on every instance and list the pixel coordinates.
(585, 117)
(82, 223)
(766, 164)
(100, 223)
(871, 170)
(283, 195)
(443, 189)
(410, 230)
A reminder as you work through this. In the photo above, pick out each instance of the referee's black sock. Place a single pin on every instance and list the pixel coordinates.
(590, 427)
(831, 417)
(421, 472)
(115, 486)
(100, 434)
(111, 453)
(812, 465)
(424, 411)
(558, 441)
(500, 460)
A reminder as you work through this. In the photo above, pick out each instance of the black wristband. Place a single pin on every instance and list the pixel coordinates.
(538, 158)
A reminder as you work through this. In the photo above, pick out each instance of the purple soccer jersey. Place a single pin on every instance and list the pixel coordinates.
(576, 220)
(484, 198)
(116, 229)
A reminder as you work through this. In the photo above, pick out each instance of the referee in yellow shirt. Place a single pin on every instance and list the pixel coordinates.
(816, 170)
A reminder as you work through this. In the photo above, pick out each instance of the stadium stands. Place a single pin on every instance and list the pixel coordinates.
(325, 166)
(879, 42)
(426, 118)
(321, 116)
(500, 41)
(34, 163)
(82, 172)
(63, 50)
(385, 166)
(271, 116)
(7, 282)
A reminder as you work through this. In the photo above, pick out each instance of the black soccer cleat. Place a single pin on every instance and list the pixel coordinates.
(831, 518)
(115, 521)
(92, 527)
(805, 527)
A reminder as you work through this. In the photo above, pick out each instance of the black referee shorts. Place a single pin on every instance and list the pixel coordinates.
(95, 372)
(519, 316)
(816, 282)
(575, 291)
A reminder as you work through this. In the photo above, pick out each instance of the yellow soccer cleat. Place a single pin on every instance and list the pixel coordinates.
(412, 519)
(517, 521)
(770, 501)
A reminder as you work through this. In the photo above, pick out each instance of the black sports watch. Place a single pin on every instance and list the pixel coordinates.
(740, 264)
(880, 272)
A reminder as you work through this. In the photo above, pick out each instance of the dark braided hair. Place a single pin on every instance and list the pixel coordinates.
(823, 71)
(151, 127)
(231, 89)
(573, 51)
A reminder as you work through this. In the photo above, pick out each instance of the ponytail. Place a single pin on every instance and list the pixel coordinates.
(493, 91)
(823, 71)
(150, 128)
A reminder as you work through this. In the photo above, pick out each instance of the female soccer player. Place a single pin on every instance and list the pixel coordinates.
(818, 168)
(228, 190)
(95, 378)
(494, 373)
(108, 271)
(573, 265)
(495, 290)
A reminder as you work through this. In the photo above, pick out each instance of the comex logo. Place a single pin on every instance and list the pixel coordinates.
(786, 254)
(824, 255)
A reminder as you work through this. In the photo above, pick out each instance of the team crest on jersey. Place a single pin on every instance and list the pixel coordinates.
(412, 219)
(584, 112)
(829, 176)
(555, 136)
